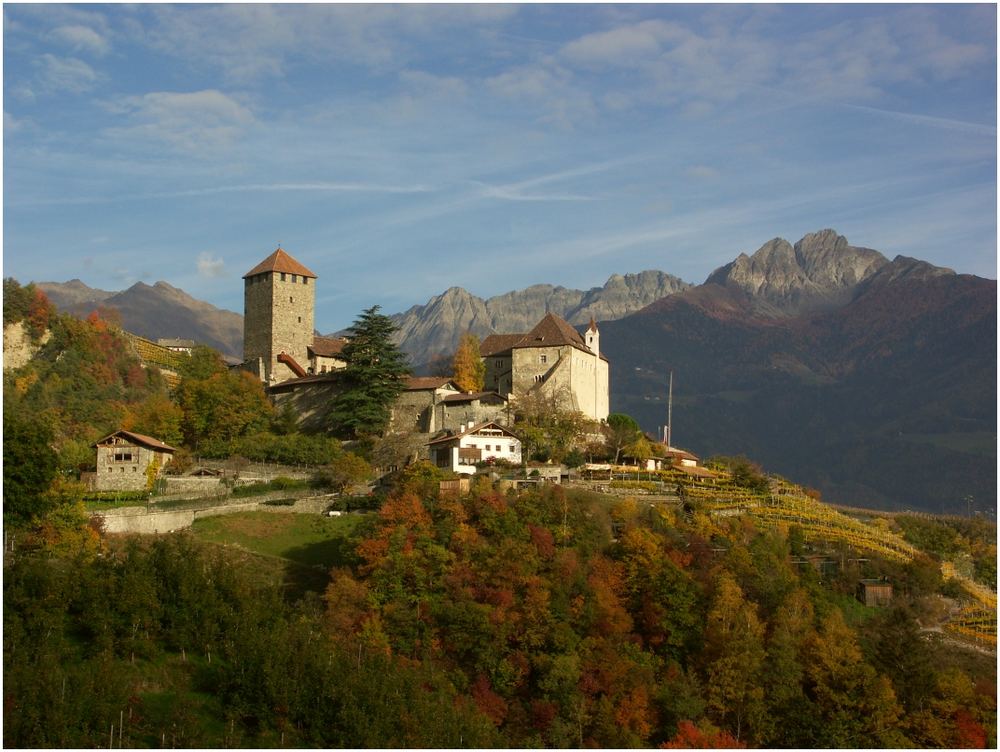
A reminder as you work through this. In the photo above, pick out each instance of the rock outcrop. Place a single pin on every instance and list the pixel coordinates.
(435, 328)
(820, 272)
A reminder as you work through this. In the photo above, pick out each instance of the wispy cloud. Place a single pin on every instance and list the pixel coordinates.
(80, 38)
(210, 265)
(312, 187)
(65, 74)
(200, 121)
(959, 126)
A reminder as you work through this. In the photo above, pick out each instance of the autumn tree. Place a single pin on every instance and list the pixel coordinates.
(372, 379)
(547, 429)
(468, 366)
(734, 656)
(221, 406)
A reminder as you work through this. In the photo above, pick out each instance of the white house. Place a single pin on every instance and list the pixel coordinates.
(461, 451)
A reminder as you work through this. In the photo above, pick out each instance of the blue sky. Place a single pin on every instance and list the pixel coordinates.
(401, 150)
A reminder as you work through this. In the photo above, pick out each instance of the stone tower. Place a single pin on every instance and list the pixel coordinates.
(279, 296)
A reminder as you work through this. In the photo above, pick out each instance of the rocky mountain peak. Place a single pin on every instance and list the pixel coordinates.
(819, 272)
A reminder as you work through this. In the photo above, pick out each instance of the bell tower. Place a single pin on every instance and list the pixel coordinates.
(279, 296)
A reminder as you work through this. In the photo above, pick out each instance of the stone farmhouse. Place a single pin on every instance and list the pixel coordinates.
(552, 360)
(459, 452)
(126, 461)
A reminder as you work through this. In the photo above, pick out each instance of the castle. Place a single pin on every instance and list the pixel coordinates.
(553, 360)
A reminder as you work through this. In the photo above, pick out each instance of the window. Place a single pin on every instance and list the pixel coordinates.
(543, 358)
(121, 456)
(282, 276)
(305, 280)
(291, 299)
(512, 449)
(300, 319)
(294, 276)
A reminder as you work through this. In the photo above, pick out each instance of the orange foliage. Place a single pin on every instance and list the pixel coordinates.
(634, 713)
(690, 736)
(489, 702)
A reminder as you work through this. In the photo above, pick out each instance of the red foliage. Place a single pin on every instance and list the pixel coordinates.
(968, 733)
(690, 736)
(489, 702)
(542, 714)
(543, 540)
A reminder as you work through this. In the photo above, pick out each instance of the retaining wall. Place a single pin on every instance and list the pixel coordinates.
(139, 520)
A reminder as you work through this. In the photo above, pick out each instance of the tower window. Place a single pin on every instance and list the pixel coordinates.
(294, 278)
(300, 319)
(282, 276)
(305, 280)
(291, 299)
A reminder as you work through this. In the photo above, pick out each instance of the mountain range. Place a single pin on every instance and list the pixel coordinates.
(155, 311)
(873, 380)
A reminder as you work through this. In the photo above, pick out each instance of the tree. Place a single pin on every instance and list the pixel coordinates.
(547, 430)
(734, 649)
(222, 407)
(29, 466)
(372, 379)
(621, 431)
(468, 366)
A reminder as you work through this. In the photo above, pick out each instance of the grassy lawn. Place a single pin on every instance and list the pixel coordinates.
(305, 539)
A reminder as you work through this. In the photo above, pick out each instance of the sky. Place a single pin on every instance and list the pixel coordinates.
(399, 150)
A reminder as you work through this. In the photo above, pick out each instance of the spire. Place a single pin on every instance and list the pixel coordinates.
(593, 325)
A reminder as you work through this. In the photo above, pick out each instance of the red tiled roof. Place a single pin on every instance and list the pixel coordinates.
(137, 438)
(327, 347)
(551, 331)
(280, 261)
(416, 383)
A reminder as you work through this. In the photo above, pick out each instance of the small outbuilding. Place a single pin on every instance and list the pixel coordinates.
(127, 461)
(874, 593)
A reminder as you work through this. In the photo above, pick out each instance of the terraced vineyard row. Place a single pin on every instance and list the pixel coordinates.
(150, 353)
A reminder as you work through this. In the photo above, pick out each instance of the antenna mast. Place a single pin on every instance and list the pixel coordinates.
(670, 410)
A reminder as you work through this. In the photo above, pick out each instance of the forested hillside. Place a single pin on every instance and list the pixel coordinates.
(537, 619)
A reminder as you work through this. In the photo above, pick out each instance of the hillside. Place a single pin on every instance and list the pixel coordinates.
(155, 311)
(889, 400)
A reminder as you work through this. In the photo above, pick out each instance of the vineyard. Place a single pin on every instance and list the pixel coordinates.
(786, 504)
(152, 354)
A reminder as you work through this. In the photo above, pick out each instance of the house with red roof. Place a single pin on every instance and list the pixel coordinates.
(554, 361)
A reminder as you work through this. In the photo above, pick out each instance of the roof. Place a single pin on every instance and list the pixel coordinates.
(680, 454)
(551, 331)
(418, 383)
(280, 261)
(471, 430)
(137, 438)
(327, 347)
(700, 472)
(496, 343)
(313, 378)
(471, 396)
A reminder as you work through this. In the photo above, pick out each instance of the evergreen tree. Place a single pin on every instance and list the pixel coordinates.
(373, 377)
(468, 366)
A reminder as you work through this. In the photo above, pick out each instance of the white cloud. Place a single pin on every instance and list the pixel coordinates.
(210, 265)
(624, 45)
(200, 121)
(81, 39)
(436, 87)
(58, 74)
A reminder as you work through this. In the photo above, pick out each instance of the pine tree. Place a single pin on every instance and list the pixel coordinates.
(373, 377)
(468, 365)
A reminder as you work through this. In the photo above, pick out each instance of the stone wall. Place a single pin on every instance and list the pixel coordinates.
(139, 520)
(129, 475)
